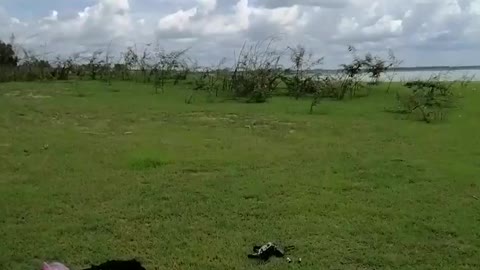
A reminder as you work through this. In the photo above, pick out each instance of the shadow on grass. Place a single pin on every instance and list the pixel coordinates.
(142, 164)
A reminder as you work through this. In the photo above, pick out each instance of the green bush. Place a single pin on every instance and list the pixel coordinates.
(430, 98)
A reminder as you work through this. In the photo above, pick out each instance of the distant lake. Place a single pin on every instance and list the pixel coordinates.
(449, 75)
(446, 74)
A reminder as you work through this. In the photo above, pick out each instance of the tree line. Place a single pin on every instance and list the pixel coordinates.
(255, 75)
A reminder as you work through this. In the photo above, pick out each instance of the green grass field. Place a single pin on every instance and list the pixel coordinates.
(90, 173)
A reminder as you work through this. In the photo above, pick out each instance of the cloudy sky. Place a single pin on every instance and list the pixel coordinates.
(421, 32)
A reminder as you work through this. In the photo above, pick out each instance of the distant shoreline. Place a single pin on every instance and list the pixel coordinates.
(437, 68)
(422, 68)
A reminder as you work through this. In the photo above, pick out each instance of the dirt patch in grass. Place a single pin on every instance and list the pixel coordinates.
(200, 171)
(30, 94)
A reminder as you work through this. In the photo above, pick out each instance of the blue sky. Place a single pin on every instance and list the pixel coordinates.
(421, 32)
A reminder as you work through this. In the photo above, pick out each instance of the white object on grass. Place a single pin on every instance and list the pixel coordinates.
(54, 266)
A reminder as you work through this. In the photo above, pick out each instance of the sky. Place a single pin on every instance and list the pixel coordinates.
(420, 32)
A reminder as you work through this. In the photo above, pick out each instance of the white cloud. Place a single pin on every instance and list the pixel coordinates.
(215, 28)
(385, 26)
(14, 20)
(208, 5)
(348, 26)
(195, 23)
(318, 3)
(282, 16)
(52, 17)
(475, 7)
(100, 23)
(178, 21)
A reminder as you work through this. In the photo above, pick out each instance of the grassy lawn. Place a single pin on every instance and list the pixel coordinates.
(89, 174)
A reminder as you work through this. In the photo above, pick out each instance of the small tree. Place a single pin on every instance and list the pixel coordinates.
(466, 80)
(8, 57)
(429, 97)
(95, 64)
(144, 65)
(8, 62)
(165, 65)
(63, 67)
(352, 80)
(372, 65)
(394, 63)
(301, 82)
(375, 67)
(106, 68)
(211, 79)
(32, 68)
(130, 59)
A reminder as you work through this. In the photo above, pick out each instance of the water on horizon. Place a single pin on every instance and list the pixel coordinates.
(447, 75)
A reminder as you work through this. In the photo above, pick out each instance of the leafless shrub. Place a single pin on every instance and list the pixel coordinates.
(165, 66)
(256, 71)
(210, 79)
(94, 64)
(394, 63)
(130, 63)
(143, 63)
(351, 79)
(332, 86)
(63, 67)
(32, 68)
(181, 72)
(106, 71)
(466, 80)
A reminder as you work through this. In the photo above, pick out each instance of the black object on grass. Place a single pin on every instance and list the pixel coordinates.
(269, 250)
(118, 265)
